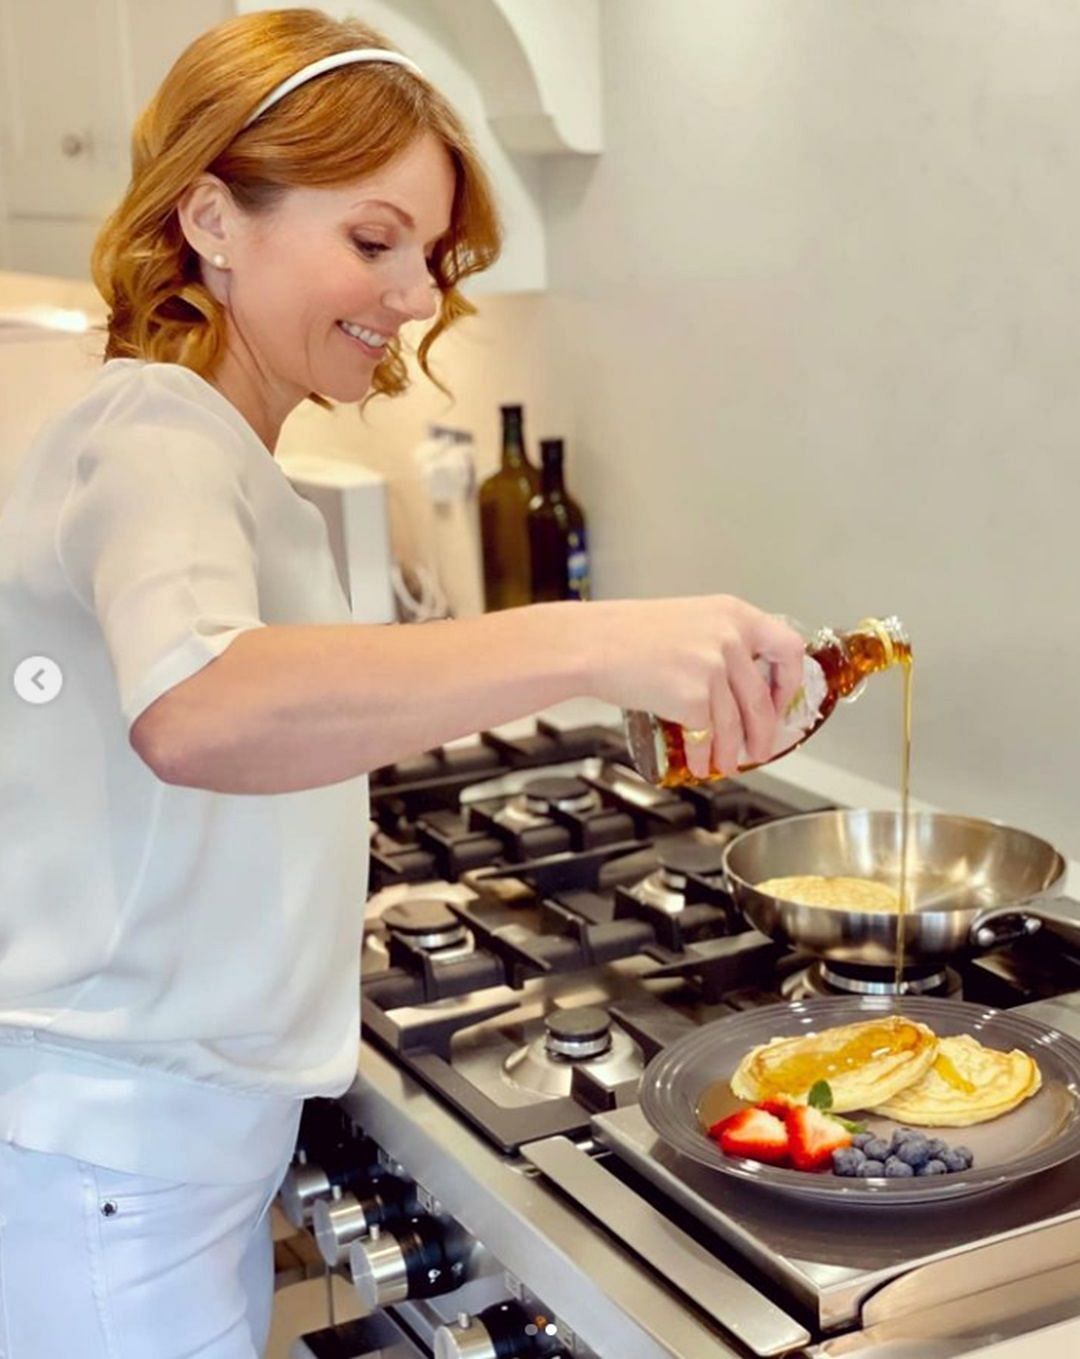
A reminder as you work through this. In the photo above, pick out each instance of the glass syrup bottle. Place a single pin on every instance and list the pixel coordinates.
(835, 667)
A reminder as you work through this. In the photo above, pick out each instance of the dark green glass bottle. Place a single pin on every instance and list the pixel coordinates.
(558, 549)
(504, 506)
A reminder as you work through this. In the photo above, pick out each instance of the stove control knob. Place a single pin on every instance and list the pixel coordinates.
(414, 1260)
(301, 1188)
(306, 1182)
(504, 1331)
(344, 1218)
(337, 1222)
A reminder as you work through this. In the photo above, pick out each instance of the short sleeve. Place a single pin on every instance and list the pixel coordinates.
(157, 538)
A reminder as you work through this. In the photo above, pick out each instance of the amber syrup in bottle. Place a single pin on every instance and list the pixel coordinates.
(844, 661)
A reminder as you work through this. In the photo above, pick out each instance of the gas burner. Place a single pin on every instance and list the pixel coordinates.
(376, 945)
(575, 1034)
(568, 795)
(850, 979)
(679, 859)
(573, 1038)
(428, 924)
(540, 797)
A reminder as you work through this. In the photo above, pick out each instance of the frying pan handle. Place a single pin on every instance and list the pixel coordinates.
(991, 929)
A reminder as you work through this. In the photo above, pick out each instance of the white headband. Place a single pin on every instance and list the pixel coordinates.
(331, 63)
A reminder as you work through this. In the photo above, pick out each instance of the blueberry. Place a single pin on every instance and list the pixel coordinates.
(847, 1160)
(967, 1154)
(895, 1169)
(871, 1170)
(860, 1140)
(938, 1147)
(956, 1158)
(914, 1152)
(877, 1149)
(932, 1167)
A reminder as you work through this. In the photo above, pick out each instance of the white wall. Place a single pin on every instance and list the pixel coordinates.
(818, 308)
(811, 336)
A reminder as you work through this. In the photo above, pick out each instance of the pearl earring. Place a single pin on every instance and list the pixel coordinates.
(218, 261)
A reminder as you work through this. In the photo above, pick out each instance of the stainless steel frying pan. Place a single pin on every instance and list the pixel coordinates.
(971, 883)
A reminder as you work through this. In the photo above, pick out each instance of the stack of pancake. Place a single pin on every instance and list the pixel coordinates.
(895, 1067)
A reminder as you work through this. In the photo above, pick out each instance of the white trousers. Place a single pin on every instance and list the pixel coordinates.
(96, 1264)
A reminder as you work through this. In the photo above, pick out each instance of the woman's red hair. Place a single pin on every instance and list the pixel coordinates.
(335, 129)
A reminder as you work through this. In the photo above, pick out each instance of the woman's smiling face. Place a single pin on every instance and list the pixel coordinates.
(317, 285)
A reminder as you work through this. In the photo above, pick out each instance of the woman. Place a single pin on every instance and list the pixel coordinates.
(184, 860)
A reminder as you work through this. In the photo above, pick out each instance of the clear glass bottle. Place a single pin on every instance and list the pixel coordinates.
(504, 503)
(558, 552)
(835, 667)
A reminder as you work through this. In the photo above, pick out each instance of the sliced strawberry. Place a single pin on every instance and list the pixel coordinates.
(756, 1134)
(780, 1106)
(715, 1129)
(813, 1137)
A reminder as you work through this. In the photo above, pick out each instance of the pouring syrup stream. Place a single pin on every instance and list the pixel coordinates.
(905, 823)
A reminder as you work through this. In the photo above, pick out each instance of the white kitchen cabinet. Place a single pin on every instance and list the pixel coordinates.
(538, 68)
(73, 75)
(63, 112)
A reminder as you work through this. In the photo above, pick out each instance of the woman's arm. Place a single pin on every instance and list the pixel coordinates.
(291, 707)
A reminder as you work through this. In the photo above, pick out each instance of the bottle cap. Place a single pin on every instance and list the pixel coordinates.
(888, 631)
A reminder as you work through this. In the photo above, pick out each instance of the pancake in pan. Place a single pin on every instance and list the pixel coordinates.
(843, 894)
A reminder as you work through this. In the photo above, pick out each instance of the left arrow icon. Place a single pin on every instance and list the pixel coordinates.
(38, 679)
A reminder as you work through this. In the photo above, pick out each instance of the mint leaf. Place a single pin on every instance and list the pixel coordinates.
(847, 1124)
(820, 1096)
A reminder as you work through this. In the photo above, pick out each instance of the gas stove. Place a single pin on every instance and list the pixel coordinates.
(543, 922)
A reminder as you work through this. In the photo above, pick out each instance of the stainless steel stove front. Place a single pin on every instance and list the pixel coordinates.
(609, 1302)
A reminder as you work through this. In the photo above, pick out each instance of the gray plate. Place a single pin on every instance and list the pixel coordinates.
(1041, 1133)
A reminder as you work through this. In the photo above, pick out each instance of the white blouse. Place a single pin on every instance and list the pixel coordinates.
(177, 967)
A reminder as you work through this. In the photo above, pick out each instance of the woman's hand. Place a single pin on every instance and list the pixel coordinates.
(692, 661)
(292, 706)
